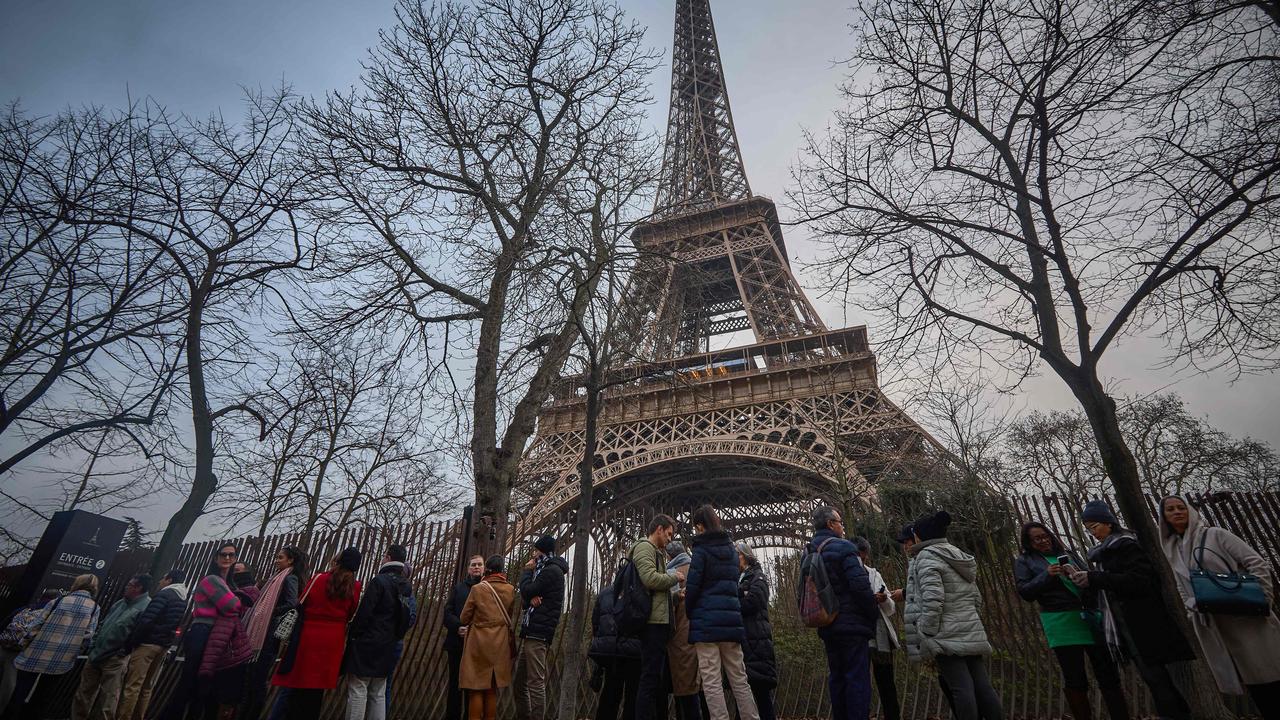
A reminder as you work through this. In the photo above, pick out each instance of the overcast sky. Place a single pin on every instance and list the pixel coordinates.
(781, 61)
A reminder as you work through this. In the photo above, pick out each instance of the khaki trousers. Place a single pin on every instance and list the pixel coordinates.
(727, 657)
(530, 681)
(144, 663)
(99, 689)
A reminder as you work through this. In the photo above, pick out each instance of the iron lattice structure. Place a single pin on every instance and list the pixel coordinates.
(763, 431)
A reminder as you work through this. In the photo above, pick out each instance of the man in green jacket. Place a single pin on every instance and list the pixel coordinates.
(102, 675)
(650, 562)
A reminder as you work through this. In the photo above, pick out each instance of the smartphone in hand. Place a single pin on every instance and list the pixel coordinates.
(1064, 560)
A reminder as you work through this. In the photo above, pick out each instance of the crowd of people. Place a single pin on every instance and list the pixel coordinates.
(683, 626)
(298, 633)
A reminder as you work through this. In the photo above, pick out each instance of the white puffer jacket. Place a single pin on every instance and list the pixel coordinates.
(943, 603)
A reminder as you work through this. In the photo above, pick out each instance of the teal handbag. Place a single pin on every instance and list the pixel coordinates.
(1229, 593)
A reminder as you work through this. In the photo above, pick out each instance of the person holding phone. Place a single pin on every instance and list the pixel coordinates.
(1134, 619)
(1069, 616)
(885, 641)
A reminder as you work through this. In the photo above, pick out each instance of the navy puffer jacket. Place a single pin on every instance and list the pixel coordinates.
(858, 610)
(160, 620)
(711, 590)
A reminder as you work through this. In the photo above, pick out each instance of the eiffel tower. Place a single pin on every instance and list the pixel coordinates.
(763, 430)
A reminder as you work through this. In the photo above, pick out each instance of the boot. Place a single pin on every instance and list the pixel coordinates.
(1078, 703)
(1117, 705)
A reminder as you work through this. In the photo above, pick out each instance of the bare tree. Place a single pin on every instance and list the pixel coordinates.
(346, 446)
(262, 473)
(99, 471)
(1176, 452)
(1032, 180)
(222, 202)
(1055, 453)
(606, 204)
(87, 336)
(963, 418)
(469, 122)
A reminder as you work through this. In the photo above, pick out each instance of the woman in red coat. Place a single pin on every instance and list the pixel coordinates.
(314, 658)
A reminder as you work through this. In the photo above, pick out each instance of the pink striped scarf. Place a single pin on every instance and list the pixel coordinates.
(259, 618)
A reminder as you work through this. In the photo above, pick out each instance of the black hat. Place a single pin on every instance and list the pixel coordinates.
(1098, 511)
(931, 527)
(350, 559)
(546, 544)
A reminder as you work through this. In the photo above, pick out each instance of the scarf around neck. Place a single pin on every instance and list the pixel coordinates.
(259, 619)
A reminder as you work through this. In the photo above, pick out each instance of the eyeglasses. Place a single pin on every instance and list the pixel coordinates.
(230, 555)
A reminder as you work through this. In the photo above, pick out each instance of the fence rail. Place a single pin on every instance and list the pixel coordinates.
(1022, 668)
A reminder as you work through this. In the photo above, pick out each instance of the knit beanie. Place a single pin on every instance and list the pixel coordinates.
(931, 527)
(350, 559)
(546, 544)
(1098, 511)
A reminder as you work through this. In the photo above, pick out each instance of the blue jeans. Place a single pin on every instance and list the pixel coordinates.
(281, 705)
(849, 664)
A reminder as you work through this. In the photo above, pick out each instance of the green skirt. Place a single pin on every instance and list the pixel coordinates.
(1066, 627)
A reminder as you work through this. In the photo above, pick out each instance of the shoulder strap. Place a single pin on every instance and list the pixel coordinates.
(307, 592)
(49, 610)
(505, 615)
(824, 544)
(1200, 550)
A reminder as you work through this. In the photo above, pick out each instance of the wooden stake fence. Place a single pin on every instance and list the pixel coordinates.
(1022, 669)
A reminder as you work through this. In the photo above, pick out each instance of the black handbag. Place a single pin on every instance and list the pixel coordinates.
(1229, 593)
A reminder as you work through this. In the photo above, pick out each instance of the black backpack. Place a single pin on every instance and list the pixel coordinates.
(406, 606)
(632, 601)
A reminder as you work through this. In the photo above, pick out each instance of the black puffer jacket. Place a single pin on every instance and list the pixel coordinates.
(1035, 584)
(374, 631)
(548, 583)
(753, 594)
(453, 613)
(606, 644)
(1133, 593)
(711, 590)
(157, 623)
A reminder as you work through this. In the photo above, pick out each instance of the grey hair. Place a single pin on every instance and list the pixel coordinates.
(822, 515)
(862, 544)
(746, 552)
(674, 548)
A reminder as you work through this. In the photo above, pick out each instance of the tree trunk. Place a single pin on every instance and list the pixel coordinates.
(574, 656)
(1122, 468)
(492, 506)
(203, 481)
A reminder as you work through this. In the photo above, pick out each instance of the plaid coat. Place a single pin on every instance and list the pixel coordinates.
(60, 637)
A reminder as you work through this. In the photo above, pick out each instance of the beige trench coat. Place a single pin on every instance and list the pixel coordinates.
(681, 656)
(1240, 650)
(486, 652)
